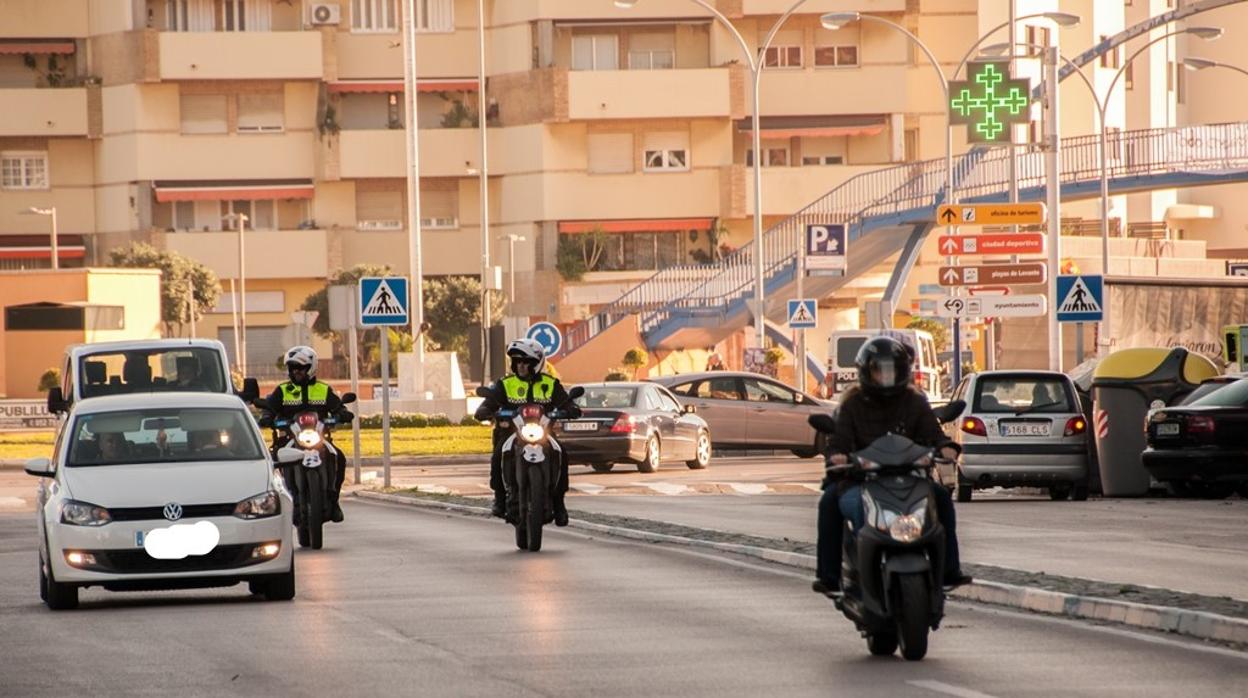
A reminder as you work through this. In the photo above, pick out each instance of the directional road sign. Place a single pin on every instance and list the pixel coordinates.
(548, 335)
(1031, 305)
(1029, 273)
(1081, 298)
(989, 102)
(383, 301)
(826, 247)
(991, 214)
(1005, 243)
(802, 314)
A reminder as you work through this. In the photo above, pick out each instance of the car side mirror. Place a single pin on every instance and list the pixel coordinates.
(250, 391)
(40, 467)
(689, 409)
(950, 412)
(822, 422)
(799, 398)
(348, 398)
(56, 401)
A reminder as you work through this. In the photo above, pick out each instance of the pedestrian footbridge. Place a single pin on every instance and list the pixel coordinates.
(889, 212)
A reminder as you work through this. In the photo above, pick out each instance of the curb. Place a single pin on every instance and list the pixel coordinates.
(1196, 624)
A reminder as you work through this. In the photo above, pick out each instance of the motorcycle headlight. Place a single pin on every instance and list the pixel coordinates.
(906, 529)
(308, 438)
(259, 506)
(77, 513)
(532, 433)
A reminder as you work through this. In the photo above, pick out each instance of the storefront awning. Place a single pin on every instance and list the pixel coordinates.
(68, 246)
(448, 85)
(242, 190)
(835, 126)
(12, 47)
(644, 225)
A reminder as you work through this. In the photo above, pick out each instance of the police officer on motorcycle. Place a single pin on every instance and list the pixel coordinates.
(527, 383)
(883, 402)
(304, 392)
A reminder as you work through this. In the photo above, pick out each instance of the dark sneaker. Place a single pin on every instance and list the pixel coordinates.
(337, 516)
(827, 589)
(561, 514)
(500, 508)
(957, 579)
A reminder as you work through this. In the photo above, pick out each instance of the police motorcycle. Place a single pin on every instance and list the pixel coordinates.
(891, 568)
(533, 478)
(307, 460)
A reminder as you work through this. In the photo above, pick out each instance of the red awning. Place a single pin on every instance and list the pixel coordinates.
(45, 252)
(467, 85)
(11, 47)
(241, 192)
(645, 225)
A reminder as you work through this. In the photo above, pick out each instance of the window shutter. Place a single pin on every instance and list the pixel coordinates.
(610, 153)
(379, 206)
(439, 204)
(260, 112)
(203, 113)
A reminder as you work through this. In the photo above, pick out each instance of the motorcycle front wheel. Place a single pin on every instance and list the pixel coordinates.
(314, 510)
(912, 615)
(535, 517)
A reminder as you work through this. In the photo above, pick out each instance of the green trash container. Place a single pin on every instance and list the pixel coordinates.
(1125, 386)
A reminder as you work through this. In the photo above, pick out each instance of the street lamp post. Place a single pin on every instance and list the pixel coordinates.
(1193, 63)
(240, 332)
(485, 196)
(511, 239)
(414, 233)
(49, 211)
(755, 63)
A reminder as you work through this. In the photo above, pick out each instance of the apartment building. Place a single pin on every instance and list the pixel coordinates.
(619, 138)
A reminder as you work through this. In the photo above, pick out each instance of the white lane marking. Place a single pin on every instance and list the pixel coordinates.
(812, 488)
(948, 689)
(665, 487)
(434, 489)
(587, 488)
(12, 502)
(748, 487)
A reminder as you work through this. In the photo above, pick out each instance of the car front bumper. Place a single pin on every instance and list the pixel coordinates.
(1209, 466)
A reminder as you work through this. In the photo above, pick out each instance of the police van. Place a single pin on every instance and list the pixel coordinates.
(843, 348)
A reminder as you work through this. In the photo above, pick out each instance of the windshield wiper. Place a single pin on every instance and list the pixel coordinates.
(1036, 408)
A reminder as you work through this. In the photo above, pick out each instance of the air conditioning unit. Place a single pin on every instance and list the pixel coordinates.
(326, 13)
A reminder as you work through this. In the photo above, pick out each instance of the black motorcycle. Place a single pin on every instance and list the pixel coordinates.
(892, 568)
(531, 472)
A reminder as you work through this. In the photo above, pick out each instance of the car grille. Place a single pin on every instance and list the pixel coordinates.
(137, 561)
(189, 511)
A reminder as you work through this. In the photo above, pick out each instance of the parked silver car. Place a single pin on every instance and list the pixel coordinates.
(1020, 429)
(748, 410)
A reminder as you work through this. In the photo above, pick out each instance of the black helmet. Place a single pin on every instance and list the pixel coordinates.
(884, 367)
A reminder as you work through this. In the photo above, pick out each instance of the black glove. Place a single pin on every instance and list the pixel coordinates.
(265, 421)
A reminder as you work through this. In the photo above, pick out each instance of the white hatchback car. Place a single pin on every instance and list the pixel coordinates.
(161, 491)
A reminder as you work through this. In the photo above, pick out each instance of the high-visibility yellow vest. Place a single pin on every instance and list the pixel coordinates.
(517, 389)
(292, 395)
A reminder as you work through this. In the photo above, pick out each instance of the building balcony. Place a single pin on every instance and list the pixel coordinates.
(263, 248)
(797, 92)
(240, 55)
(778, 7)
(172, 156)
(787, 190)
(648, 94)
(52, 111)
(582, 196)
(448, 152)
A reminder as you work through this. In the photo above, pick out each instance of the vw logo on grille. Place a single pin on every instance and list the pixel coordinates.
(173, 511)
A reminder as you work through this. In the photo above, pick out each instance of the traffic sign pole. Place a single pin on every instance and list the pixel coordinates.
(353, 353)
(385, 403)
(1053, 176)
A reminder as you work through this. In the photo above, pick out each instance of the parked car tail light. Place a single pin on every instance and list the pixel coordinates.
(1076, 426)
(1198, 424)
(624, 425)
(974, 425)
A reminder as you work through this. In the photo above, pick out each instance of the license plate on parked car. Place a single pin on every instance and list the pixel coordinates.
(1167, 429)
(1028, 429)
(580, 426)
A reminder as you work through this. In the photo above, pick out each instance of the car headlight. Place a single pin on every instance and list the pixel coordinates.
(77, 513)
(532, 433)
(259, 506)
(308, 438)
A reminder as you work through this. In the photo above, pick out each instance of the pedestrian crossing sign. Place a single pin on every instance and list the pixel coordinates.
(383, 301)
(1081, 298)
(802, 314)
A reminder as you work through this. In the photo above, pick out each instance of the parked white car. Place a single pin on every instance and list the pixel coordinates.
(161, 491)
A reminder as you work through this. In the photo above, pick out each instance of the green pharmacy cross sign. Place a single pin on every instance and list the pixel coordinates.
(989, 102)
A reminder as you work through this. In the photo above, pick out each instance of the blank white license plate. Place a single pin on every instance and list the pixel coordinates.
(1024, 429)
(1167, 429)
(580, 426)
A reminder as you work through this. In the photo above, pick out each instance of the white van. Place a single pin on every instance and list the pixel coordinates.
(843, 348)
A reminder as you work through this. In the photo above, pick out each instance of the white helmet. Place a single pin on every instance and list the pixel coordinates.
(301, 355)
(529, 349)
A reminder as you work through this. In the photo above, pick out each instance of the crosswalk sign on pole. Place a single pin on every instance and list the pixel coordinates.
(1080, 298)
(383, 301)
(803, 314)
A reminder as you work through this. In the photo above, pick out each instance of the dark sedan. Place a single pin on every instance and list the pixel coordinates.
(638, 423)
(1201, 447)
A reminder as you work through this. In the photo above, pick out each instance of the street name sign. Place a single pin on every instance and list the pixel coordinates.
(991, 214)
(1032, 305)
(383, 301)
(1028, 273)
(1005, 243)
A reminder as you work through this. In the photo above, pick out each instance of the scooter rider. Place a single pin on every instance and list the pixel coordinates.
(883, 402)
(527, 383)
(304, 392)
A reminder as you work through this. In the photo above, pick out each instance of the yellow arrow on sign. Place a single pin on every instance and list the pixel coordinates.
(991, 214)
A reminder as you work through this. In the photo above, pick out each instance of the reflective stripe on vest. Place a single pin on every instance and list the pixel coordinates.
(292, 395)
(517, 389)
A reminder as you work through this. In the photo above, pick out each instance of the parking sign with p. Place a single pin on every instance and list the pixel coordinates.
(825, 248)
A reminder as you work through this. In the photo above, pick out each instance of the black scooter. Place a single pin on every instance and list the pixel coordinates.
(892, 568)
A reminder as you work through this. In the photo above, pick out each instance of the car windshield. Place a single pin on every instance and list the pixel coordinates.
(162, 435)
(1022, 394)
(195, 369)
(607, 397)
(1229, 395)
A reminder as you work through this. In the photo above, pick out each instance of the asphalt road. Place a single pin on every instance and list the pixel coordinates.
(412, 602)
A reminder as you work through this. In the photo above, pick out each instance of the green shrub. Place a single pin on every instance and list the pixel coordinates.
(50, 379)
(439, 420)
(616, 374)
(469, 421)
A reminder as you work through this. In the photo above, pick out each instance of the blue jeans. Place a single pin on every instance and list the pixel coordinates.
(835, 510)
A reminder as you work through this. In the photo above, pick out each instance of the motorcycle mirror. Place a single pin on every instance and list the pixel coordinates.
(950, 412)
(822, 422)
(484, 392)
(576, 392)
(348, 398)
(289, 454)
